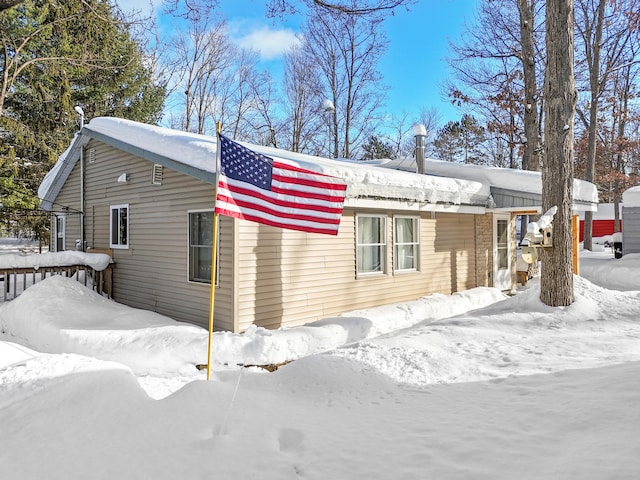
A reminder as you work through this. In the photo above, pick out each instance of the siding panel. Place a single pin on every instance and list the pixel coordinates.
(152, 272)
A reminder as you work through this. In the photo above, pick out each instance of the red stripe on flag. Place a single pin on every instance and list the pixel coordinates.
(242, 205)
(264, 221)
(283, 202)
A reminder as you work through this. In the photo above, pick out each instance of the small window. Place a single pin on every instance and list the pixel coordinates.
(371, 245)
(119, 226)
(200, 247)
(406, 243)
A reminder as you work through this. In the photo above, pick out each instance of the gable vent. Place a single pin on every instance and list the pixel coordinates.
(92, 155)
(156, 176)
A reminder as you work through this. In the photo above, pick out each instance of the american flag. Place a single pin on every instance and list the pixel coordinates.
(255, 187)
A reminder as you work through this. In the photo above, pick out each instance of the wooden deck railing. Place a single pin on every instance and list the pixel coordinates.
(16, 280)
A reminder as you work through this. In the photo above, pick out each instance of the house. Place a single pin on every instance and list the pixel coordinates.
(631, 220)
(146, 193)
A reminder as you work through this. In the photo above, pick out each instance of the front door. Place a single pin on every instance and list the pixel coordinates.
(501, 252)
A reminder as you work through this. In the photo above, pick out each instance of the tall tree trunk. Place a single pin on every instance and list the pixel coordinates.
(532, 151)
(593, 60)
(556, 281)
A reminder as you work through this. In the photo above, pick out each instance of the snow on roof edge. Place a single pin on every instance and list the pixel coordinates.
(364, 180)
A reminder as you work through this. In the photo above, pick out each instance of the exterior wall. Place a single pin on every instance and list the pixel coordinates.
(280, 277)
(152, 273)
(290, 278)
(631, 234)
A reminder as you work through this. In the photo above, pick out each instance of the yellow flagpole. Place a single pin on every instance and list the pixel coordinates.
(214, 252)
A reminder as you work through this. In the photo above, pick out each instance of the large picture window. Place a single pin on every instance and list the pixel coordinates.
(200, 246)
(371, 244)
(119, 226)
(406, 243)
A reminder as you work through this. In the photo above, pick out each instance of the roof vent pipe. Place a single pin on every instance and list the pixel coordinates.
(420, 132)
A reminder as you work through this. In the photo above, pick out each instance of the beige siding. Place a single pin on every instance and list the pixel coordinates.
(268, 276)
(290, 278)
(152, 273)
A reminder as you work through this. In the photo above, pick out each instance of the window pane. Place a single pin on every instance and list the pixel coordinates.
(502, 245)
(369, 230)
(123, 226)
(200, 246)
(369, 259)
(114, 226)
(406, 257)
(404, 230)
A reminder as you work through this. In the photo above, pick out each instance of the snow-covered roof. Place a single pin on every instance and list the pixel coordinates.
(631, 197)
(195, 155)
(504, 178)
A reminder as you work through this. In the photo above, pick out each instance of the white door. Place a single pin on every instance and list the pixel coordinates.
(501, 252)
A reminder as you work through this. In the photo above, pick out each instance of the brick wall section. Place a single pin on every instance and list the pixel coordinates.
(484, 249)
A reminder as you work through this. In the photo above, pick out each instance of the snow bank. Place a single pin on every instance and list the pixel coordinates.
(97, 261)
(52, 316)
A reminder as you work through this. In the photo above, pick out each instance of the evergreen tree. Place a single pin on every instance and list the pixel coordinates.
(376, 148)
(56, 55)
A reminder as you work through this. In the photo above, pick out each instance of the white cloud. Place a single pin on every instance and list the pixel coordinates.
(267, 42)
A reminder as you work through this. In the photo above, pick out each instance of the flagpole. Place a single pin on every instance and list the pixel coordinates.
(214, 251)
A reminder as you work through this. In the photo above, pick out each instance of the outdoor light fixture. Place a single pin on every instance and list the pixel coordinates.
(80, 112)
(328, 106)
(124, 178)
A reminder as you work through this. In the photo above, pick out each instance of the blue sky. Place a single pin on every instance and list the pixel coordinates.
(414, 66)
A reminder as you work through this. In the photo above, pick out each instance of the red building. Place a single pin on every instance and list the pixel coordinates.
(603, 221)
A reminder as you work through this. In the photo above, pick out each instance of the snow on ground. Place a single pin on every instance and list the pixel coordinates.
(471, 386)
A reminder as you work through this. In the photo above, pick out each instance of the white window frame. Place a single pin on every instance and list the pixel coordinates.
(119, 242)
(190, 277)
(382, 246)
(415, 242)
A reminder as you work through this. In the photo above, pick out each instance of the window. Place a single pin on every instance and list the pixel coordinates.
(406, 245)
(371, 245)
(119, 226)
(200, 246)
(502, 243)
(60, 233)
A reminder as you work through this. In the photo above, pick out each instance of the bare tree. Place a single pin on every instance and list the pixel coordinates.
(349, 7)
(556, 281)
(497, 65)
(532, 154)
(201, 56)
(603, 30)
(304, 101)
(346, 49)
